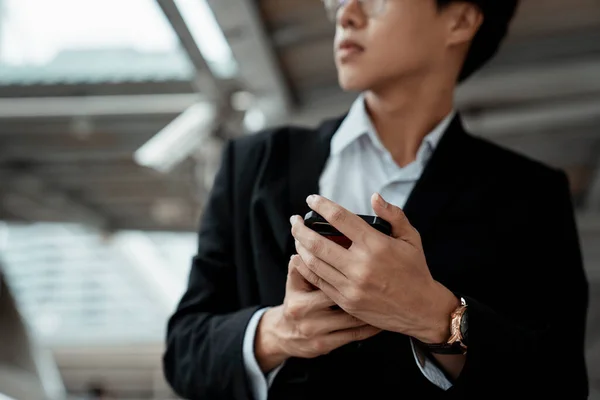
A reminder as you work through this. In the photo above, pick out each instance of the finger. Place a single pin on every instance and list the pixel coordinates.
(318, 300)
(322, 269)
(349, 224)
(318, 245)
(295, 281)
(401, 227)
(345, 336)
(319, 325)
(340, 320)
(317, 281)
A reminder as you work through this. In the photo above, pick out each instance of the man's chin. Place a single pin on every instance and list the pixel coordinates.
(352, 83)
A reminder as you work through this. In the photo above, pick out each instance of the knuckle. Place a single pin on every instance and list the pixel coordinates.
(357, 333)
(319, 346)
(400, 215)
(361, 278)
(312, 261)
(354, 298)
(310, 276)
(417, 234)
(316, 280)
(381, 247)
(353, 321)
(315, 246)
(321, 301)
(292, 265)
(363, 236)
(293, 311)
(305, 330)
(338, 215)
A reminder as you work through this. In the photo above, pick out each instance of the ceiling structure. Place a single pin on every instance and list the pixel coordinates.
(68, 135)
(70, 128)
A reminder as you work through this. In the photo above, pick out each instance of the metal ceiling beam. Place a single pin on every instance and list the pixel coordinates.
(543, 49)
(527, 84)
(69, 107)
(100, 171)
(551, 116)
(205, 81)
(62, 157)
(96, 89)
(98, 129)
(22, 191)
(257, 62)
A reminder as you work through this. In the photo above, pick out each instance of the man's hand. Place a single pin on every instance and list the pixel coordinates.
(306, 325)
(382, 280)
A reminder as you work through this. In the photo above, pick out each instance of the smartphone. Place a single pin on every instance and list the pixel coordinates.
(320, 225)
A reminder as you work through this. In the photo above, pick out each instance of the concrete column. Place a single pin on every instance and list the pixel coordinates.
(20, 376)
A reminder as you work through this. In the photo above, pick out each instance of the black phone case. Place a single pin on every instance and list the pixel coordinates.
(321, 226)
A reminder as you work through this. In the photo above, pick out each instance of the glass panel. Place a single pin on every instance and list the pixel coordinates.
(208, 36)
(88, 41)
(75, 286)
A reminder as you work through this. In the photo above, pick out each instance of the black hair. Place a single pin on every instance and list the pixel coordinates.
(497, 16)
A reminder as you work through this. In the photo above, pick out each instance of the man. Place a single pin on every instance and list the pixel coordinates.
(479, 292)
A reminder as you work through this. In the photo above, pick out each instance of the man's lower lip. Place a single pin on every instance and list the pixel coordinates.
(348, 52)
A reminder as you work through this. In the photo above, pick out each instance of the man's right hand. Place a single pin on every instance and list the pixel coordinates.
(305, 325)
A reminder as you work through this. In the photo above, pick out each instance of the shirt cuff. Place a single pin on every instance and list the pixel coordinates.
(259, 383)
(429, 369)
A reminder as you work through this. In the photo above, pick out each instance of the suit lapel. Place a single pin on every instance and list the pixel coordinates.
(444, 176)
(308, 156)
(294, 162)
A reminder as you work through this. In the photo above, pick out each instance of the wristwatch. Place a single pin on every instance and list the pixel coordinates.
(459, 333)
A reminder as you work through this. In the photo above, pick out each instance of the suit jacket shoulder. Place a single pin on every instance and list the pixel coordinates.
(260, 140)
(280, 147)
(509, 166)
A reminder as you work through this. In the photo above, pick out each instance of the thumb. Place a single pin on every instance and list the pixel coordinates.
(295, 280)
(401, 227)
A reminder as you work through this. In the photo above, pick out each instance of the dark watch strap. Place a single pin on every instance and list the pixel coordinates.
(454, 347)
(464, 328)
(444, 348)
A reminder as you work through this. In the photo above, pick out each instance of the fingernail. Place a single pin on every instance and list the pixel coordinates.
(311, 199)
(381, 201)
(292, 219)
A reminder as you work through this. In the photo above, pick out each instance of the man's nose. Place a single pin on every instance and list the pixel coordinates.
(351, 15)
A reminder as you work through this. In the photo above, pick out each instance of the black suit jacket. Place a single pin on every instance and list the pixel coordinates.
(496, 227)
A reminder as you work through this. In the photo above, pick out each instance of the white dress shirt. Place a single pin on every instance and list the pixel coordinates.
(358, 166)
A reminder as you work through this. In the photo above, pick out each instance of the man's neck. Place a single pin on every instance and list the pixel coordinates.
(403, 114)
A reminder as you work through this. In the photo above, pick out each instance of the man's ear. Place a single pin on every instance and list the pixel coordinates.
(464, 20)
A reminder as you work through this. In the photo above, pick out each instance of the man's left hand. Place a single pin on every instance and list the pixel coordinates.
(381, 280)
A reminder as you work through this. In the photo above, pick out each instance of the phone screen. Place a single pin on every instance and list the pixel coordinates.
(321, 226)
(341, 240)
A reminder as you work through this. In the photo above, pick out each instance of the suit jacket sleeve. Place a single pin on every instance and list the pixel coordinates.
(203, 357)
(530, 343)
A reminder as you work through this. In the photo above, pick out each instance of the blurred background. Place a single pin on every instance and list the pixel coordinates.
(112, 116)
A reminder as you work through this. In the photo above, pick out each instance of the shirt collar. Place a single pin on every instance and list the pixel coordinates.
(357, 124)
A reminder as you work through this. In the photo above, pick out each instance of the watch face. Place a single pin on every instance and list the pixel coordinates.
(464, 327)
